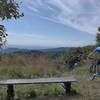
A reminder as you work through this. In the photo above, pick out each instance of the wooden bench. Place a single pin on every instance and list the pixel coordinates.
(11, 82)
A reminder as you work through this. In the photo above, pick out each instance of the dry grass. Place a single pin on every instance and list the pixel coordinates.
(88, 89)
(85, 88)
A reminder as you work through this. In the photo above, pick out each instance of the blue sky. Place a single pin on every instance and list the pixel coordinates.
(55, 23)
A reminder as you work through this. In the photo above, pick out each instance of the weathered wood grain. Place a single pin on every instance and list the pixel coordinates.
(37, 81)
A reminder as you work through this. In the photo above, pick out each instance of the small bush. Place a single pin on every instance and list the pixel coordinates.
(32, 93)
(46, 92)
(56, 91)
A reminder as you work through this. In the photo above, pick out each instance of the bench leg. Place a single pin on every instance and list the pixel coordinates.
(67, 87)
(10, 91)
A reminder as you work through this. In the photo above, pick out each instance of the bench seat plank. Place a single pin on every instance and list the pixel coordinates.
(37, 81)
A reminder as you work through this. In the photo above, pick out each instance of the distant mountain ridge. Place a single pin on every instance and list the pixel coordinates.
(10, 50)
(55, 49)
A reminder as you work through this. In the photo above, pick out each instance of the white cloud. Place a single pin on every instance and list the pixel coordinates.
(40, 40)
(83, 15)
(26, 35)
(24, 38)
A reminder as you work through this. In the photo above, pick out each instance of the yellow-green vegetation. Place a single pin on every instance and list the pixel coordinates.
(12, 72)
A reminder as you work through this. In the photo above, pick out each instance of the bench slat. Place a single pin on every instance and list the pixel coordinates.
(37, 81)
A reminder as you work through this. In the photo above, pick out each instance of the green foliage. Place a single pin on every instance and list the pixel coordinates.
(3, 35)
(9, 9)
(98, 36)
(57, 91)
(88, 49)
(74, 55)
(70, 57)
(26, 92)
(32, 93)
(46, 91)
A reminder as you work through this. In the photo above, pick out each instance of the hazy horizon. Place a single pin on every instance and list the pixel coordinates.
(32, 47)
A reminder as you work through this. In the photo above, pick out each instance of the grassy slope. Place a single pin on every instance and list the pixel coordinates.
(86, 89)
(89, 90)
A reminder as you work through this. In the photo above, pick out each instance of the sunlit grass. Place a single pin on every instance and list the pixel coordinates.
(7, 72)
(85, 88)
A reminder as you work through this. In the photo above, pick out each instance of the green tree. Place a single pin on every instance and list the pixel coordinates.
(8, 9)
(3, 35)
(98, 36)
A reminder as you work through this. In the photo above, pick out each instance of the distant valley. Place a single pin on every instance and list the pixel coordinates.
(10, 50)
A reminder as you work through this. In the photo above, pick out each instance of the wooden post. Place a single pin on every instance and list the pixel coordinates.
(10, 91)
(67, 87)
